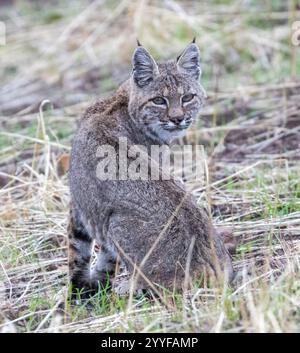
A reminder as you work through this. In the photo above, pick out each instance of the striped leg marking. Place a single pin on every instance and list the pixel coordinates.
(80, 246)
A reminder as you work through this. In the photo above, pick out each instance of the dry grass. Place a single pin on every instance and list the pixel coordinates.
(250, 127)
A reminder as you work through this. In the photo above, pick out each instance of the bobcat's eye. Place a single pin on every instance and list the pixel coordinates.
(159, 101)
(187, 98)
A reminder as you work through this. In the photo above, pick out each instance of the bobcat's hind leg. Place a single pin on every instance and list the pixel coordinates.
(79, 257)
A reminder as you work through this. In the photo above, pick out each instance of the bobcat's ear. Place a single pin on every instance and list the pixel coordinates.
(189, 61)
(144, 67)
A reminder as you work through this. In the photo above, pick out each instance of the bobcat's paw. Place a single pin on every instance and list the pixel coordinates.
(125, 286)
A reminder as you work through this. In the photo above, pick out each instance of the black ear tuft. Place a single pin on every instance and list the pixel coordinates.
(138, 43)
(189, 61)
(194, 40)
(144, 67)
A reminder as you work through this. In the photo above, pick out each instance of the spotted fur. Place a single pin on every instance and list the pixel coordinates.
(126, 217)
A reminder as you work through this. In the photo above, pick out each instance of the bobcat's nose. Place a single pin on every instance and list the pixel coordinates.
(176, 115)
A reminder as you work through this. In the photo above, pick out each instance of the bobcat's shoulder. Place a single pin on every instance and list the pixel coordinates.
(106, 107)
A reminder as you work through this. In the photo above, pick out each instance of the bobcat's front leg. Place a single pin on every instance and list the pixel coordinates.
(105, 265)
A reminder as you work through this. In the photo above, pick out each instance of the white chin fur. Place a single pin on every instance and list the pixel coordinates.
(167, 136)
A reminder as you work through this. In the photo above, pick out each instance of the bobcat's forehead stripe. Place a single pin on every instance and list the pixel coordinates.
(172, 84)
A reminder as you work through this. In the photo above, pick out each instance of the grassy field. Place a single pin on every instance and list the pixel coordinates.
(61, 55)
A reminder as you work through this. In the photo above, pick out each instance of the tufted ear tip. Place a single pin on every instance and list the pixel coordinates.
(138, 43)
(194, 40)
(144, 67)
(189, 61)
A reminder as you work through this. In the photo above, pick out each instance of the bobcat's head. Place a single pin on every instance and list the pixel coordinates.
(165, 98)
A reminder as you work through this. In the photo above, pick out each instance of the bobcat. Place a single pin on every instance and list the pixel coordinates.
(154, 226)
